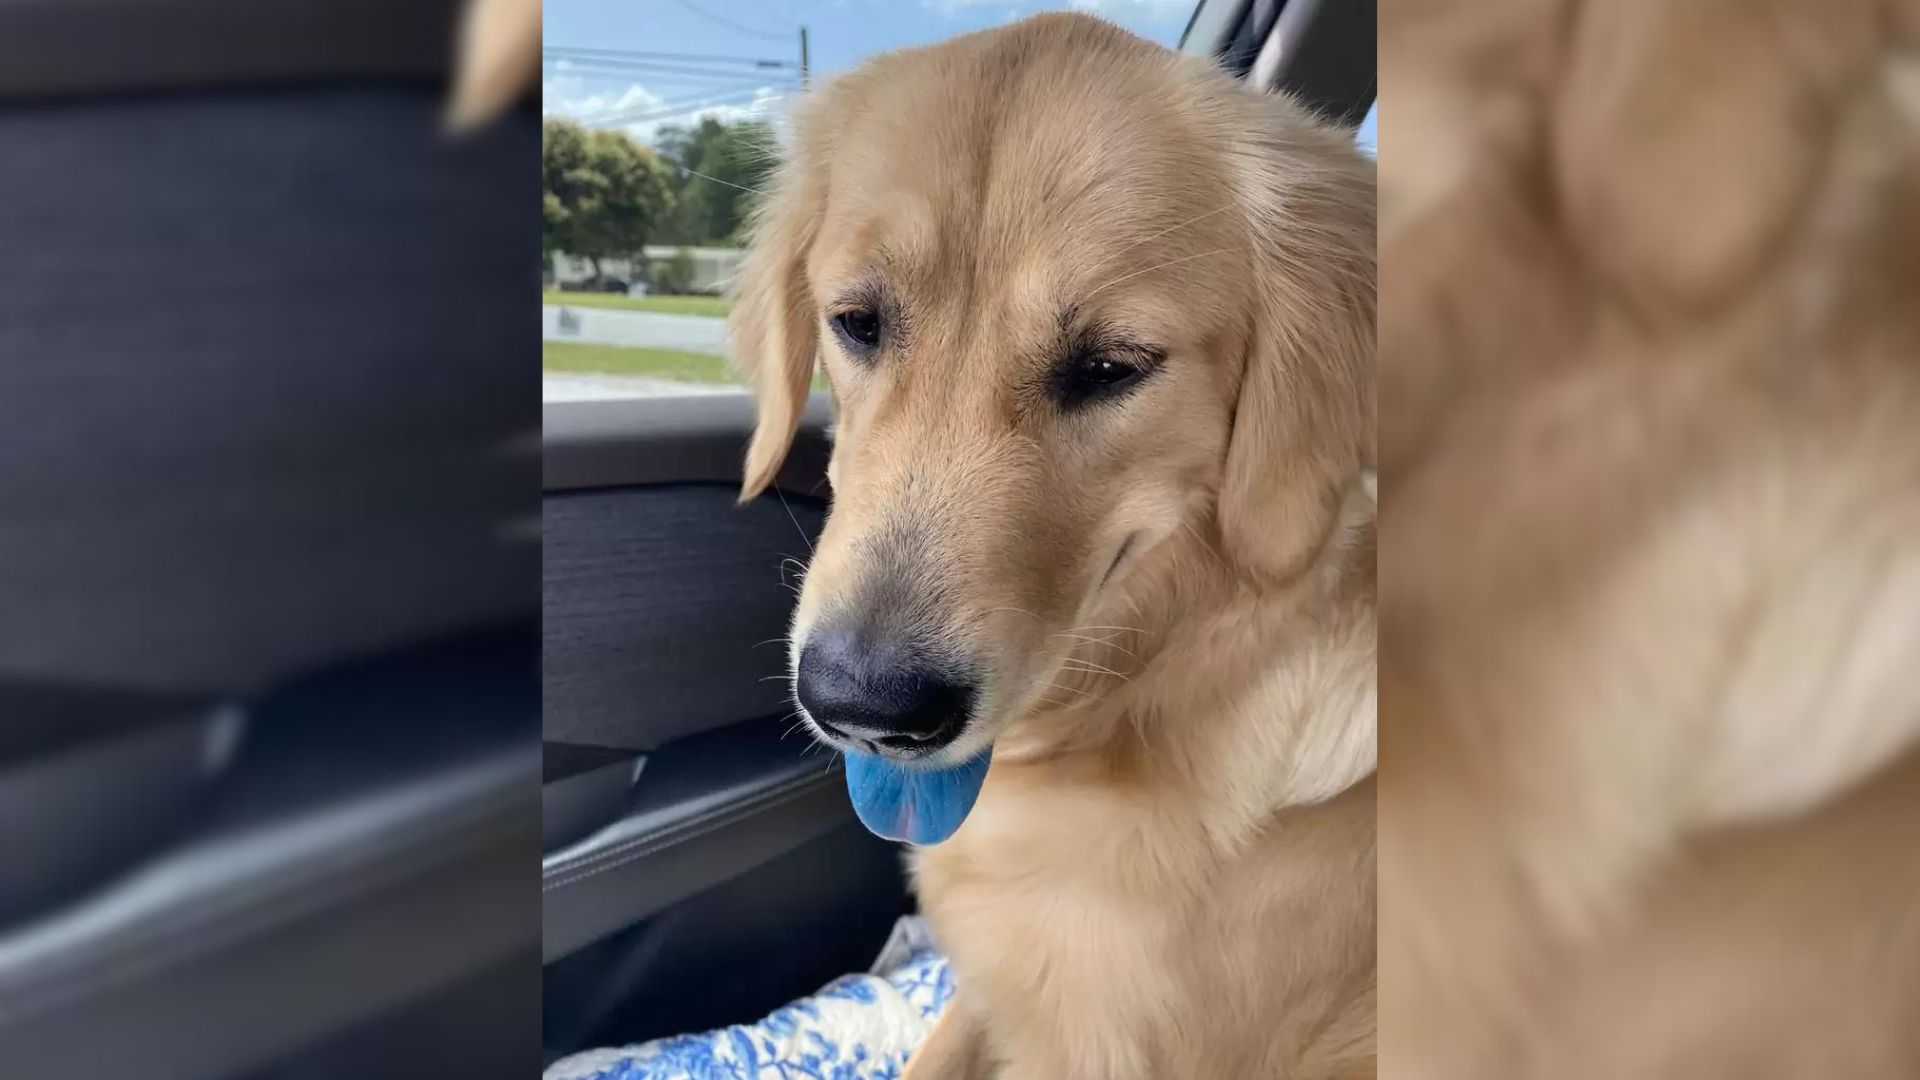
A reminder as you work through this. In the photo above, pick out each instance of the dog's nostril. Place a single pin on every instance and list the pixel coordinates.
(892, 697)
(905, 741)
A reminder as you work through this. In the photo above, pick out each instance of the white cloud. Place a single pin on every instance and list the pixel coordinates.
(571, 96)
(766, 104)
(574, 97)
(1159, 9)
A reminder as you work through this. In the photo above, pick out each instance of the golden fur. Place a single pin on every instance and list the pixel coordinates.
(1169, 872)
(1650, 548)
(495, 60)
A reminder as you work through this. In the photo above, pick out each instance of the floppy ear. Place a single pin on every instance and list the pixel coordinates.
(1303, 428)
(1683, 190)
(497, 58)
(775, 338)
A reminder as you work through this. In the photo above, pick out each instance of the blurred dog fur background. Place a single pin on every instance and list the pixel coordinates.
(1650, 539)
(495, 60)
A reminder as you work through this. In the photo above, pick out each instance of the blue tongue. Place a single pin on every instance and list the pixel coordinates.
(912, 803)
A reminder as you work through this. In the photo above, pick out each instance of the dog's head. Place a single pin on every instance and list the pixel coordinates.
(1079, 300)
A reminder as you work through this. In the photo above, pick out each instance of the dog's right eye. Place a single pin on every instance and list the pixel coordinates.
(1088, 376)
(859, 328)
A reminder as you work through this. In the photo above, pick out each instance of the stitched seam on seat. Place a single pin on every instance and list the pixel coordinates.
(791, 794)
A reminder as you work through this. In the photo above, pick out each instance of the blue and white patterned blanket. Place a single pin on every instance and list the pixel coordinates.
(859, 1027)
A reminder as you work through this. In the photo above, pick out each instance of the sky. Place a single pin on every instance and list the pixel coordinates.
(841, 33)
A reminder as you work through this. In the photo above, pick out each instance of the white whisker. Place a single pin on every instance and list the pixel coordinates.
(1069, 689)
(1105, 642)
(729, 183)
(796, 521)
(1156, 266)
(1088, 667)
(1015, 610)
(1109, 260)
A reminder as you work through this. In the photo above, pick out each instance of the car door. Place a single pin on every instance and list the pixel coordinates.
(702, 863)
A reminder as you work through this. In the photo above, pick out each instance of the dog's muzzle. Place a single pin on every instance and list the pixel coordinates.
(885, 698)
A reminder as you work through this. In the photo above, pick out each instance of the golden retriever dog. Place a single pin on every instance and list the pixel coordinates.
(1650, 540)
(1098, 322)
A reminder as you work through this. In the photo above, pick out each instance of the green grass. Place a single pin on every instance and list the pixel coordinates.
(628, 360)
(573, 356)
(716, 306)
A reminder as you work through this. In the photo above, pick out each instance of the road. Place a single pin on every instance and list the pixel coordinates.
(597, 326)
(581, 386)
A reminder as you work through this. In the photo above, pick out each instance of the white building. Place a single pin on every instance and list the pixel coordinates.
(712, 267)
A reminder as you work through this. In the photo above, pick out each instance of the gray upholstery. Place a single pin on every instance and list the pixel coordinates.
(268, 408)
(665, 610)
(266, 398)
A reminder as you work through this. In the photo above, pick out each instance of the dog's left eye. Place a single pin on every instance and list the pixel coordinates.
(860, 328)
(1104, 371)
(1092, 376)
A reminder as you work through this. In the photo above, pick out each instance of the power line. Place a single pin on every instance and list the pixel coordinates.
(615, 115)
(670, 86)
(578, 52)
(620, 113)
(628, 78)
(632, 54)
(647, 67)
(663, 111)
(690, 109)
(724, 21)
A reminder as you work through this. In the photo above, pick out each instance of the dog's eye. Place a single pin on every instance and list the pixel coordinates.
(1091, 376)
(1104, 371)
(860, 328)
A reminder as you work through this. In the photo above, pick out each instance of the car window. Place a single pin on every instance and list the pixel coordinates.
(660, 120)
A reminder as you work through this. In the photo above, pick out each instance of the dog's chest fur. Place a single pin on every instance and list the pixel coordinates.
(1095, 932)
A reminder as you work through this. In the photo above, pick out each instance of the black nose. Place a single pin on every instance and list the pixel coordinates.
(884, 696)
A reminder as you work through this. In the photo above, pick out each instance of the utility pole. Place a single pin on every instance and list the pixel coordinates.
(803, 58)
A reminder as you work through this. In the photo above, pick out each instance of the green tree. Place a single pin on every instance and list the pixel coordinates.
(604, 194)
(675, 276)
(738, 160)
(715, 161)
(683, 147)
(566, 183)
(638, 197)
